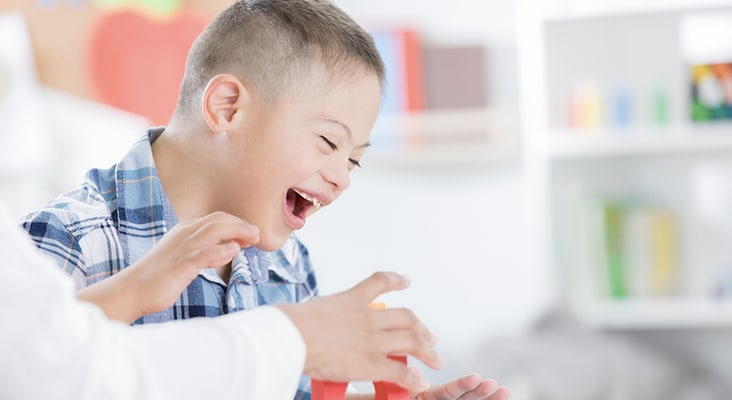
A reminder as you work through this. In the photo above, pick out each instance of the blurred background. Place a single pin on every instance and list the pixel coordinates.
(555, 176)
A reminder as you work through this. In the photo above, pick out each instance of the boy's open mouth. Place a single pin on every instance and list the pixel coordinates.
(299, 202)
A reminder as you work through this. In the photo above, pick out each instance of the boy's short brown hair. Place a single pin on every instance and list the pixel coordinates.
(271, 44)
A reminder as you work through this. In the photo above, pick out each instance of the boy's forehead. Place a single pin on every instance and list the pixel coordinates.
(319, 79)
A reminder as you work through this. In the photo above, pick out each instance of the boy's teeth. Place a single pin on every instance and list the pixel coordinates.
(305, 196)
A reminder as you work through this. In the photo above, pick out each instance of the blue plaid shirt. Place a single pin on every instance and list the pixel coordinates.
(118, 214)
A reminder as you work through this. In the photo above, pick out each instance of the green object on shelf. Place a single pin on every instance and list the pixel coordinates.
(660, 107)
(699, 112)
(616, 270)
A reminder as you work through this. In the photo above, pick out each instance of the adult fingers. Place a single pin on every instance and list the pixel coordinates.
(455, 389)
(503, 393)
(377, 284)
(485, 390)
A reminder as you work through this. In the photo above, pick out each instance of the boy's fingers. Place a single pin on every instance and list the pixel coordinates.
(415, 344)
(379, 283)
(224, 231)
(404, 319)
(216, 216)
(397, 318)
(220, 218)
(214, 256)
(404, 376)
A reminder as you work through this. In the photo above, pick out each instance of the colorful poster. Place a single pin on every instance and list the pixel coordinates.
(711, 91)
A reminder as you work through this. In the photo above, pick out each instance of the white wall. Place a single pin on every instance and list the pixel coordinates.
(460, 233)
(455, 21)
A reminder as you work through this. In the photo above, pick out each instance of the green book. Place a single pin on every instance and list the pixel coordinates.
(613, 215)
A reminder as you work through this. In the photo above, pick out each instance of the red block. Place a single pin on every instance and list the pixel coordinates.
(322, 390)
(391, 391)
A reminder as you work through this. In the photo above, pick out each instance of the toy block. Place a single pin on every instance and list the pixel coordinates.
(391, 391)
(324, 390)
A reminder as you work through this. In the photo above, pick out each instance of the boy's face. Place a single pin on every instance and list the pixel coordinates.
(289, 160)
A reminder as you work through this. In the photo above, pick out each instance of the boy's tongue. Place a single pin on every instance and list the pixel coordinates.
(291, 201)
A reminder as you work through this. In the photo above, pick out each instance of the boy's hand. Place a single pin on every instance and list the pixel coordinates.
(348, 341)
(469, 387)
(172, 264)
(155, 281)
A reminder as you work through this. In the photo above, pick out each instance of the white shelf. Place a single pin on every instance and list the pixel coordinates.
(580, 144)
(630, 48)
(580, 9)
(454, 137)
(658, 314)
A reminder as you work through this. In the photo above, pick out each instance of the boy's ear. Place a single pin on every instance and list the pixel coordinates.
(223, 97)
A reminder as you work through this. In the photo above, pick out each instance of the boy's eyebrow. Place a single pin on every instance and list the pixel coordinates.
(348, 132)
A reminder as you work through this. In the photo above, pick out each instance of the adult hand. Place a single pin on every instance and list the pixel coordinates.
(469, 387)
(348, 341)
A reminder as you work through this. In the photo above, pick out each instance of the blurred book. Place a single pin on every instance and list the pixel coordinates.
(637, 249)
(711, 91)
(455, 76)
(615, 262)
(707, 51)
(401, 51)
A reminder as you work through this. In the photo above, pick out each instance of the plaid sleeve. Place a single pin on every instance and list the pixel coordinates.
(53, 237)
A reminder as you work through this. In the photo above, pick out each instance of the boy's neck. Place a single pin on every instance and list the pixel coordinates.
(182, 175)
(224, 272)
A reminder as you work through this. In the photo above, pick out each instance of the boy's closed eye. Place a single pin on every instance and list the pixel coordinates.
(334, 147)
(330, 144)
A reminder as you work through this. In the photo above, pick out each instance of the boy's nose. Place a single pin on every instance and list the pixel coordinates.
(338, 174)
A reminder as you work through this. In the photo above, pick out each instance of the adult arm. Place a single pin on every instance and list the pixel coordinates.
(55, 346)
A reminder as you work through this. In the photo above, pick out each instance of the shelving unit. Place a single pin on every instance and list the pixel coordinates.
(658, 314)
(640, 162)
(444, 138)
(568, 144)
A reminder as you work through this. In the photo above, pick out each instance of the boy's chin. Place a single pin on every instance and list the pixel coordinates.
(271, 243)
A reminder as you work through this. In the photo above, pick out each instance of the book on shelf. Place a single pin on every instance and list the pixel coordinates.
(711, 91)
(637, 250)
(455, 76)
(423, 77)
(401, 51)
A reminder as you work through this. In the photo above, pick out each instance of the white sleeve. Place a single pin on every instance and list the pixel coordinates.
(54, 346)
